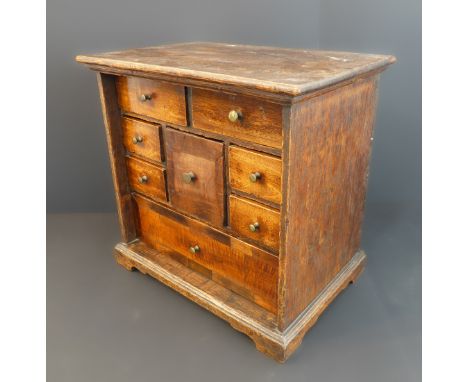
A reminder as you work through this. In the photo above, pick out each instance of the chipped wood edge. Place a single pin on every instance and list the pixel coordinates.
(275, 344)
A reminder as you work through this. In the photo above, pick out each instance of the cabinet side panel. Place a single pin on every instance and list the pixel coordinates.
(114, 135)
(329, 147)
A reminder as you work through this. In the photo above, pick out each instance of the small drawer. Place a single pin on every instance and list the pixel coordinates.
(241, 267)
(255, 173)
(241, 117)
(159, 100)
(255, 221)
(195, 172)
(142, 139)
(146, 179)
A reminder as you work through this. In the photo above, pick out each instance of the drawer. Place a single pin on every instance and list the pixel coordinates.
(159, 100)
(241, 117)
(195, 175)
(255, 221)
(146, 179)
(255, 173)
(142, 139)
(241, 267)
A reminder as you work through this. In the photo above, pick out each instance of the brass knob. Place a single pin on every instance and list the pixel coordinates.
(137, 139)
(255, 176)
(195, 249)
(145, 97)
(188, 177)
(143, 179)
(254, 227)
(234, 115)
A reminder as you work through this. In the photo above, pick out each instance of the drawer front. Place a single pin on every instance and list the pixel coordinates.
(195, 171)
(146, 179)
(154, 99)
(255, 221)
(142, 139)
(255, 173)
(257, 121)
(247, 270)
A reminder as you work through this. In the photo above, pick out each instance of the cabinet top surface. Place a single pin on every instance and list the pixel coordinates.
(277, 70)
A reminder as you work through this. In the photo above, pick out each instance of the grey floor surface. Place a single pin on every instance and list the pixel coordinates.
(107, 324)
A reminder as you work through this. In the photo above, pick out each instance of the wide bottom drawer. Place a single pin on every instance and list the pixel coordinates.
(239, 266)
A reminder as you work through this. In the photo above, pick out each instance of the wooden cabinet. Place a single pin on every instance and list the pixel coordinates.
(240, 175)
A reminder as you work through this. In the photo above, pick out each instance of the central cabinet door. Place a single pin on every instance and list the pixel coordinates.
(195, 171)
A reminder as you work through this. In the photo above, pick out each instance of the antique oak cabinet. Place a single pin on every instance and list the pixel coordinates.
(240, 175)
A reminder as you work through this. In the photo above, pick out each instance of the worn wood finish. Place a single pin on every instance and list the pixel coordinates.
(244, 213)
(204, 195)
(147, 179)
(300, 121)
(330, 136)
(166, 101)
(139, 255)
(111, 114)
(258, 121)
(241, 314)
(142, 139)
(242, 163)
(253, 270)
(275, 70)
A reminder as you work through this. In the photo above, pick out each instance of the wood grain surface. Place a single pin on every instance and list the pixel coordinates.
(278, 70)
(330, 137)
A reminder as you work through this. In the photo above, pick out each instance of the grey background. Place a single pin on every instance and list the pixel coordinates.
(106, 324)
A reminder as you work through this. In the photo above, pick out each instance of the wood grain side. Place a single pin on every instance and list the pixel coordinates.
(114, 135)
(330, 136)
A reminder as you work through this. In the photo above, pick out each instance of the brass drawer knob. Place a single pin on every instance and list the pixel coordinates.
(234, 115)
(137, 139)
(195, 249)
(188, 177)
(143, 179)
(255, 176)
(145, 97)
(254, 227)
